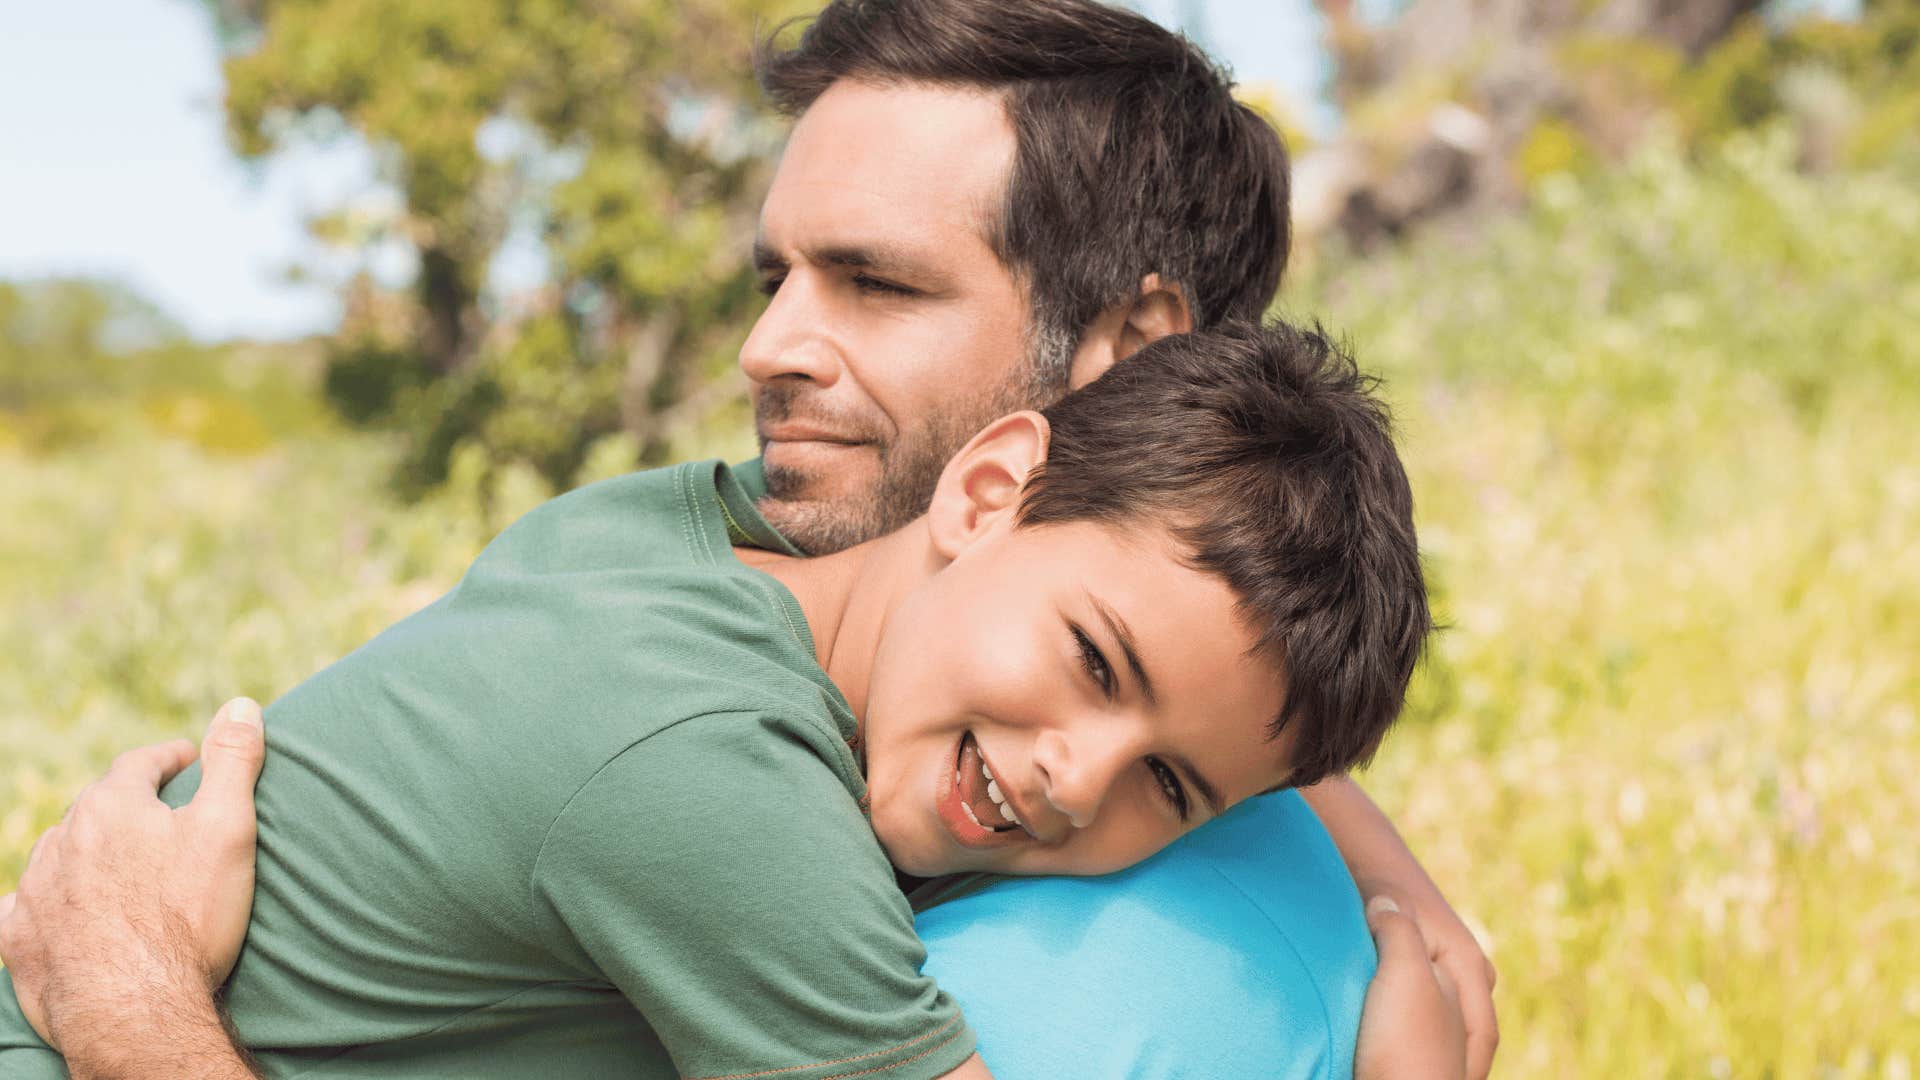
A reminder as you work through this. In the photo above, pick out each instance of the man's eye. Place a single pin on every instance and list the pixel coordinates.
(877, 285)
(767, 286)
(1170, 786)
(1095, 664)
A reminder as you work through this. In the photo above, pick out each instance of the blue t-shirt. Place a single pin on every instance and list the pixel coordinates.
(1240, 950)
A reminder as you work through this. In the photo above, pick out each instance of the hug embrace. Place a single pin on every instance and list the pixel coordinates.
(959, 732)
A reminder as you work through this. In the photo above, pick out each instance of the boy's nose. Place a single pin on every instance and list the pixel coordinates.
(1080, 766)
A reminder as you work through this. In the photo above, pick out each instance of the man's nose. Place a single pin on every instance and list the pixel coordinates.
(1082, 763)
(790, 339)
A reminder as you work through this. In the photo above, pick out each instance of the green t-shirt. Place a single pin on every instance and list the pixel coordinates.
(592, 813)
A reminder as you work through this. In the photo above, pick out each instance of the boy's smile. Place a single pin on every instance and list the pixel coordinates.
(978, 812)
(1063, 699)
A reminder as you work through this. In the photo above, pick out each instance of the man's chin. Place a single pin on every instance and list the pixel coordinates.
(819, 526)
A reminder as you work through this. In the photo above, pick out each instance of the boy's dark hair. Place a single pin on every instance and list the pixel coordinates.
(1273, 458)
(1132, 155)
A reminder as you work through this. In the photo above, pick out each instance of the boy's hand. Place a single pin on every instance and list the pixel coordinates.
(130, 913)
(1381, 866)
(1410, 1025)
(1463, 966)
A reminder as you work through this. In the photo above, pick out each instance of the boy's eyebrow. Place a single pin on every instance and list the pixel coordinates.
(1118, 628)
(1207, 790)
(1121, 633)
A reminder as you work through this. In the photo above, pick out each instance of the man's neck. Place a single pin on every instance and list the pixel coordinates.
(847, 598)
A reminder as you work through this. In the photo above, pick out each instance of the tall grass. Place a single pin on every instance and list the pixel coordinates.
(1665, 437)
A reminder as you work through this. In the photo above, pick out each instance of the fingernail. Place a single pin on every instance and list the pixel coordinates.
(243, 710)
(1381, 905)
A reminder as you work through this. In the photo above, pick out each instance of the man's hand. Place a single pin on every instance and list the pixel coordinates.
(1410, 1025)
(1382, 866)
(131, 914)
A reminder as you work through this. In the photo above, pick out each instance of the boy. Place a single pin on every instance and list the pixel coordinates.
(626, 799)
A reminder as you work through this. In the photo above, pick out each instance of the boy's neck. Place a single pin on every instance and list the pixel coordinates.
(847, 598)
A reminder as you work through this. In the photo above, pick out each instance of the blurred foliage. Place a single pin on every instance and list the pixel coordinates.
(620, 139)
(1660, 428)
(82, 361)
(1750, 79)
(1849, 89)
(1457, 110)
(62, 338)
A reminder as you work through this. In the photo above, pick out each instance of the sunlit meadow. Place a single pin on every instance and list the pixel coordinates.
(1665, 435)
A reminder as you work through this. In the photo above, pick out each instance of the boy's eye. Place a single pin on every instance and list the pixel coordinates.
(1170, 786)
(1091, 659)
(767, 286)
(869, 284)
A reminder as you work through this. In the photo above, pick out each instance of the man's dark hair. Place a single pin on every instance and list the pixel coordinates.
(1132, 157)
(1272, 458)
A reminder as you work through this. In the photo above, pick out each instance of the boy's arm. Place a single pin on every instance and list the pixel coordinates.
(131, 913)
(1382, 865)
(971, 1069)
(719, 874)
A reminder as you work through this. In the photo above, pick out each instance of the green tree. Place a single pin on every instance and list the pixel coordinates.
(622, 137)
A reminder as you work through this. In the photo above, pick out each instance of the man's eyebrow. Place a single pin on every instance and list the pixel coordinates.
(765, 259)
(1121, 633)
(877, 256)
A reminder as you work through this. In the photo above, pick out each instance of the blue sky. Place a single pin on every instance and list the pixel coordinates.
(112, 162)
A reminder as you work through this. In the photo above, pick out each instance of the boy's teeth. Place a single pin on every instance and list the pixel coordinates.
(993, 792)
(969, 812)
(984, 771)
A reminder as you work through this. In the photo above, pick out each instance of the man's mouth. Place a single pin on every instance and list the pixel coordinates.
(788, 432)
(973, 807)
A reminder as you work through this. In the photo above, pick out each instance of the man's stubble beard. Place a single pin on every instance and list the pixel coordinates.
(910, 468)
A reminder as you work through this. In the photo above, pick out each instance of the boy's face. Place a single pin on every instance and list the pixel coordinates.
(1013, 661)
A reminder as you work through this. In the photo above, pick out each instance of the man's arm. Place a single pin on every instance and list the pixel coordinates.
(1455, 972)
(130, 913)
(137, 986)
(124, 985)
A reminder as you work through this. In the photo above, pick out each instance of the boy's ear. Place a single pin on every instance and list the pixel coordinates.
(1158, 309)
(981, 486)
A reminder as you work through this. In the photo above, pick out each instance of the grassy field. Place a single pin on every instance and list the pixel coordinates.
(1665, 437)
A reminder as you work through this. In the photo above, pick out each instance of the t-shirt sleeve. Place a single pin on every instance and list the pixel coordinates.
(22, 1055)
(720, 875)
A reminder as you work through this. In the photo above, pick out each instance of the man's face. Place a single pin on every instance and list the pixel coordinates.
(893, 332)
(1005, 680)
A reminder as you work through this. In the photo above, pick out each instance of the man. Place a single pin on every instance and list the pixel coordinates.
(981, 206)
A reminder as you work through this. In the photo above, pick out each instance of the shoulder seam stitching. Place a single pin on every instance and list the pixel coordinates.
(1326, 1018)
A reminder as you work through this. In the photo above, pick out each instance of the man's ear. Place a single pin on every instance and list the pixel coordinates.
(981, 486)
(1160, 308)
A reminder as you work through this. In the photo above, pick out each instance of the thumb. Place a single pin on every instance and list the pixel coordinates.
(1397, 938)
(231, 756)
